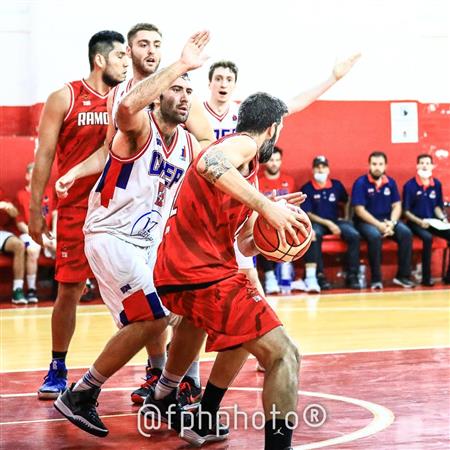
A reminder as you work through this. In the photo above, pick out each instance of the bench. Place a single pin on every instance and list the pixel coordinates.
(6, 261)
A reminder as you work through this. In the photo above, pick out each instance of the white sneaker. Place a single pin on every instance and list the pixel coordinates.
(271, 286)
(298, 285)
(376, 286)
(311, 285)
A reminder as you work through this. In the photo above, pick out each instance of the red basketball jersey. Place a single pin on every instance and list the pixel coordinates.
(198, 244)
(82, 133)
(284, 184)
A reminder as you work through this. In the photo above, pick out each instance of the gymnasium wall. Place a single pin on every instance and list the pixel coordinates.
(345, 131)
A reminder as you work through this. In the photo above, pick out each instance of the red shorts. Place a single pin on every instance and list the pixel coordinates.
(231, 312)
(71, 263)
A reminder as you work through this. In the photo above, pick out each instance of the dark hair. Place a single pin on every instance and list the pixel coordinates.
(141, 27)
(225, 64)
(259, 111)
(277, 150)
(103, 42)
(424, 155)
(378, 154)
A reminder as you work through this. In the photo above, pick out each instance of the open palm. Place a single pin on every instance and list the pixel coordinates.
(192, 54)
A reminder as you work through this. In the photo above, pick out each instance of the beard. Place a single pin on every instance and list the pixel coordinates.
(266, 149)
(173, 117)
(109, 80)
(272, 171)
(377, 175)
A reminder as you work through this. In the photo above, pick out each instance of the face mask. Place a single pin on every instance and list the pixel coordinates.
(424, 173)
(321, 177)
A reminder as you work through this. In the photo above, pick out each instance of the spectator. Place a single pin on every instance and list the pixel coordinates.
(422, 199)
(324, 195)
(378, 209)
(32, 249)
(273, 181)
(9, 243)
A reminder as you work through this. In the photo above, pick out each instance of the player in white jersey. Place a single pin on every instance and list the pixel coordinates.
(148, 157)
(144, 49)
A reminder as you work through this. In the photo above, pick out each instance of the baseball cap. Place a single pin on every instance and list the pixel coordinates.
(320, 160)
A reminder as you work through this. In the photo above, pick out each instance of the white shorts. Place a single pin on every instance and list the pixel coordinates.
(124, 273)
(4, 236)
(29, 243)
(243, 262)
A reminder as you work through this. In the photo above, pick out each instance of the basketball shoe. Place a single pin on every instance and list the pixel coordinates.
(55, 381)
(151, 378)
(80, 408)
(189, 394)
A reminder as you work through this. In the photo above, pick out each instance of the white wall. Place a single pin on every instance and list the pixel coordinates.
(281, 46)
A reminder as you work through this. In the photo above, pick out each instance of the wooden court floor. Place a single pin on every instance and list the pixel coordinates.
(376, 367)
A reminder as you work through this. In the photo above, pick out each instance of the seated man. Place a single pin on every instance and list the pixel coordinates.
(322, 205)
(32, 248)
(422, 199)
(378, 208)
(273, 182)
(9, 243)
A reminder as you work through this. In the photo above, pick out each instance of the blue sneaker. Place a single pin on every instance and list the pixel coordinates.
(55, 382)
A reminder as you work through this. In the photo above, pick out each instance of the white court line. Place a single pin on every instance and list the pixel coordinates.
(382, 418)
(212, 359)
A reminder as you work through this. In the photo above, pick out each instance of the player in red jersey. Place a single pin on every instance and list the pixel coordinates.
(73, 125)
(197, 275)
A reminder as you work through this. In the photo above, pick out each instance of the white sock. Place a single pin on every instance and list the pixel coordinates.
(270, 274)
(91, 379)
(311, 272)
(158, 361)
(17, 284)
(166, 384)
(31, 281)
(194, 372)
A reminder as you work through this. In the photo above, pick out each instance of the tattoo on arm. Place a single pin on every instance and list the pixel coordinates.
(216, 164)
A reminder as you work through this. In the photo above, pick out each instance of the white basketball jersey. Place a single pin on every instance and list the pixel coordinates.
(224, 124)
(118, 92)
(133, 197)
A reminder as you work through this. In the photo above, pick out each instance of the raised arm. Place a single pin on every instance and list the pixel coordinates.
(50, 124)
(131, 117)
(304, 99)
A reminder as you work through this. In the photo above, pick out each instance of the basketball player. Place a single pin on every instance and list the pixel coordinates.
(204, 285)
(223, 115)
(144, 49)
(73, 125)
(128, 209)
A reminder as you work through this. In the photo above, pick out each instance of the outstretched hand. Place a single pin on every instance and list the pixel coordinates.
(192, 54)
(341, 68)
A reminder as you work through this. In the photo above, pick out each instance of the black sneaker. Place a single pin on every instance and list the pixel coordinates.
(32, 296)
(428, 283)
(352, 282)
(79, 408)
(170, 411)
(189, 394)
(205, 429)
(323, 282)
(138, 396)
(404, 282)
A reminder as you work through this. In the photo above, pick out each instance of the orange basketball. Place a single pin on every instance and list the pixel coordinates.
(268, 241)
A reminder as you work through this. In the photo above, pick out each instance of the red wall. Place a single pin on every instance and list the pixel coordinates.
(346, 132)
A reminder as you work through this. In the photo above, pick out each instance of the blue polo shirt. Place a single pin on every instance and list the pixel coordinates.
(324, 201)
(421, 200)
(377, 200)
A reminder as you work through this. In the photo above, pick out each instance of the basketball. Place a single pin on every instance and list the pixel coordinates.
(268, 241)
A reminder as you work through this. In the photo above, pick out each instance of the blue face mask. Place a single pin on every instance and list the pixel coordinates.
(321, 177)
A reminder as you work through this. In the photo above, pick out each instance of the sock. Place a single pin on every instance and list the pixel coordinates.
(31, 281)
(91, 379)
(157, 361)
(194, 372)
(59, 355)
(277, 435)
(17, 284)
(166, 384)
(270, 274)
(311, 272)
(212, 398)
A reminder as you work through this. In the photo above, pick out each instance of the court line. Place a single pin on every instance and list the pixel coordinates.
(212, 359)
(382, 417)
